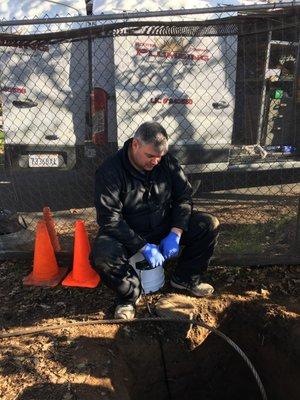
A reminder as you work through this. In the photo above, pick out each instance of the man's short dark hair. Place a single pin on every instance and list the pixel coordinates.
(152, 133)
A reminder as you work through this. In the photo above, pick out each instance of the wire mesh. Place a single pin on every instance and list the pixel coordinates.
(225, 87)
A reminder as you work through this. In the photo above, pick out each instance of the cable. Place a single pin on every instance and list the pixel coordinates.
(38, 330)
(163, 359)
(64, 4)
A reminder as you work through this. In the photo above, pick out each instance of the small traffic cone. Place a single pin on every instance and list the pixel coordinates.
(82, 274)
(45, 269)
(51, 228)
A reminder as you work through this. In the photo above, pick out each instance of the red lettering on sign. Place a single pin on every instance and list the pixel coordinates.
(170, 100)
(143, 49)
(13, 89)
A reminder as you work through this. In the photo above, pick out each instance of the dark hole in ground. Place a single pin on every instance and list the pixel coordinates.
(214, 370)
(156, 362)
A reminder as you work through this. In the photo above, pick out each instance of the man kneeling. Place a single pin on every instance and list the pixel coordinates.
(143, 203)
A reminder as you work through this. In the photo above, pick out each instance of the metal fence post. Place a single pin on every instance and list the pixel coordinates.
(297, 236)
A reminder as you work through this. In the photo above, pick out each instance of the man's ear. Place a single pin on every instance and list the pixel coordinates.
(135, 144)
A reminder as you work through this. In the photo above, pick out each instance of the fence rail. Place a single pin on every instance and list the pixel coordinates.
(179, 13)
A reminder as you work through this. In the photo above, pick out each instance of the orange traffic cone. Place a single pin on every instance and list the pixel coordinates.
(51, 228)
(45, 269)
(82, 274)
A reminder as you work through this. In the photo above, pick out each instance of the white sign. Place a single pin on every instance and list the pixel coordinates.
(43, 160)
(186, 84)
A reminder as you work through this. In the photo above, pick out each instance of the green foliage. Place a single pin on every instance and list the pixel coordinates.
(256, 238)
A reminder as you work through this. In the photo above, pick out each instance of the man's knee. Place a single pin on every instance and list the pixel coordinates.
(109, 258)
(106, 251)
(213, 222)
(207, 222)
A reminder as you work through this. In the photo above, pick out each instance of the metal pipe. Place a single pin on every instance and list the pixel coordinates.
(89, 10)
(297, 236)
(63, 4)
(152, 14)
(264, 92)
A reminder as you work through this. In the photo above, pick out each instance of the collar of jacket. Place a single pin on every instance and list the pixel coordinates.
(123, 153)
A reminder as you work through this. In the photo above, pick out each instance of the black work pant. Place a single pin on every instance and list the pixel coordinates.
(110, 258)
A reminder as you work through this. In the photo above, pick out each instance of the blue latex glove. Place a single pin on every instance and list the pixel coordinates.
(153, 255)
(169, 246)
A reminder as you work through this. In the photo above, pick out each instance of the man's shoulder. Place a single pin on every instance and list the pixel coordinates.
(112, 165)
(170, 161)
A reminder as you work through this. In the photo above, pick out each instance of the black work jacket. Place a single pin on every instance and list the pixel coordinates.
(135, 207)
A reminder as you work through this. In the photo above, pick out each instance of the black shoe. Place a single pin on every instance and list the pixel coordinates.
(197, 288)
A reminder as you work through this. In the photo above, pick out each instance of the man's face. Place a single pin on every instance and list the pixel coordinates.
(145, 157)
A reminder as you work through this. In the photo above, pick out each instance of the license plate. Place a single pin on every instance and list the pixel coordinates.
(43, 160)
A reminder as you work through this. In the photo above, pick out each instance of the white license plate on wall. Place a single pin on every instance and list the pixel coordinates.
(43, 160)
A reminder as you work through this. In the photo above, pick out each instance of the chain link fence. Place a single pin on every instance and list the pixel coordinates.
(225, 85)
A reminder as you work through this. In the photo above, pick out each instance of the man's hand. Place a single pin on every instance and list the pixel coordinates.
(153, 255)
(169, 246)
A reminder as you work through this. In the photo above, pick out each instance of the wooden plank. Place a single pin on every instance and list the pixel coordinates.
(234, 260)
(230, 260)
(62, 257)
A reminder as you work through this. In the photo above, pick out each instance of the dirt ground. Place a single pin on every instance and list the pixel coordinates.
(258, 308)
